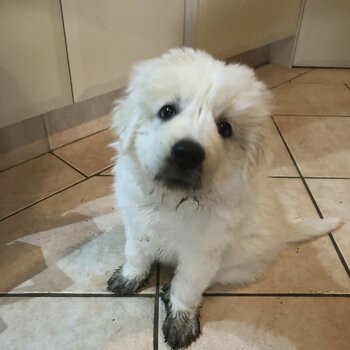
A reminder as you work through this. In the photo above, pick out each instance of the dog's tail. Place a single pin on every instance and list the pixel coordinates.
(305, 230)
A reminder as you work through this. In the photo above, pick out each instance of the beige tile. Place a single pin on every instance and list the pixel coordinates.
(333, 198)
(320, 145)
(71, 242)
(312, 99)
(325, 76)
(81, 119)
(259, 323)
(77, 323)
(107, 172)
(91, 154)
(308, 267)
(274, 74)
(281, 162)
(22, 141)
(34, 180)
(302, 70)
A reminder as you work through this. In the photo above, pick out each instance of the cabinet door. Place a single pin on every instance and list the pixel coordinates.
(228, 27)
(34, 75)
(106, 37)
(324, 38)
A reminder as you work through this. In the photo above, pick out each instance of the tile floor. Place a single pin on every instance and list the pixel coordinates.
(60, 239)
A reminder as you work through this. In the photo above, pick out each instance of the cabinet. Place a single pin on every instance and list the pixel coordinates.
(34, 76)
(226, 27)
(324, 34)
(104, 39)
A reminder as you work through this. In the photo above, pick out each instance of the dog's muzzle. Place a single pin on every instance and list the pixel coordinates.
(183, 169)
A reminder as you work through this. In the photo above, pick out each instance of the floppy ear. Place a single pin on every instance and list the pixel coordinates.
(125, 121)
(258, 125)
(256, 155)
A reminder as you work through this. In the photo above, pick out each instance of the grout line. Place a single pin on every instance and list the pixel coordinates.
(73, 295)
(101, 171)
(40, 155)
(340, 255)
(311, 115)
(327, 177)
(290, 80)
(156, 310)
(69, 164)
(43, 199)
(301, 74)
(295, 295)
(283, 177)
(67, 55)
(309, 177)
(23, 162)
(98, 173)
(81, 138)
(152, 295)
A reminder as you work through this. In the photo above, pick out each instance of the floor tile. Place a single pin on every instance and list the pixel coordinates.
(325, 76)
(80, 119)
(281, 164)
(91, 154)
(33, 180)
(302, 70)
(320, 145)
(71, 242)
(333, 198)
(259, 323)
(274, 74)
(22, 141)
(76, 323)
(107, 172)
(308, 267)
(312, 99)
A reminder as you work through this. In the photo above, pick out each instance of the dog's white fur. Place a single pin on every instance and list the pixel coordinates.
(232, 227)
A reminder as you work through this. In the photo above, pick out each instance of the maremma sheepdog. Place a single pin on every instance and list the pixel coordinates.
(191, 184)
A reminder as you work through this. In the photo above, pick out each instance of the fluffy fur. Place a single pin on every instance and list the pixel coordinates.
(229, 228)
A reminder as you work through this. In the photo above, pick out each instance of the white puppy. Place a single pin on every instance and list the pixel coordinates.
(190, 185)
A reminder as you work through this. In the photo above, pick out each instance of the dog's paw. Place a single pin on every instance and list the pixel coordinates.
(181, 329)
(120, 285)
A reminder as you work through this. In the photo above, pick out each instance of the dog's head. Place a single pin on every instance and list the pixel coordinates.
(192, 122)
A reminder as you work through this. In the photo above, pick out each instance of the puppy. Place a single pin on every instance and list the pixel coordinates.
(190, 182)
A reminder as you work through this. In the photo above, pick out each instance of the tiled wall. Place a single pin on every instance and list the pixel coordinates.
(38, 135)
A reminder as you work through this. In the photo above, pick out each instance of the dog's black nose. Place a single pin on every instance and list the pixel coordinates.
(187, 154)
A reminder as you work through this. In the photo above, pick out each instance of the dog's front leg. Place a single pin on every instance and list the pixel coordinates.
(131, 276)
(182, 298)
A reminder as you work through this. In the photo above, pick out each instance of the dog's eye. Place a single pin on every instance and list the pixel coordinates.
(167, 112)
(225, 129)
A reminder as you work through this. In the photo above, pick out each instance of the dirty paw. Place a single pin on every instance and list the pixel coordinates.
(121, 285)
(181, 329)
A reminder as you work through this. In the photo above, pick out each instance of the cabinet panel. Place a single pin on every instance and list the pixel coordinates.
(106, 37)
(226, 27)
(34, 75)
(324, 38)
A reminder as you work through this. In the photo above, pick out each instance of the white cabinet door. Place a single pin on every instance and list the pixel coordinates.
(106, 37)
(324, 38)
(229, 27)
(34, 75)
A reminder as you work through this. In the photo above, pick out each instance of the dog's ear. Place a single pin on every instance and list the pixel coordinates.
(258, 105)
(256, 146)
(124, 121)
